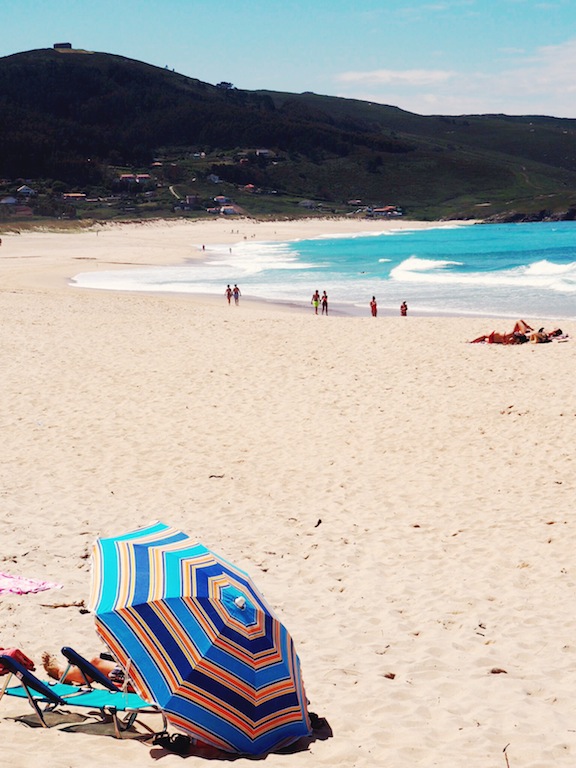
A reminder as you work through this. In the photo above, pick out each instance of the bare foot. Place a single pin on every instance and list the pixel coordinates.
(50, 665)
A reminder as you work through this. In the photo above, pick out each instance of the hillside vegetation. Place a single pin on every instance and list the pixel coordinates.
(136, 140)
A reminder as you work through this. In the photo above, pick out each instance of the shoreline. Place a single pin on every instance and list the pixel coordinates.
(167, 243)
(51, 260)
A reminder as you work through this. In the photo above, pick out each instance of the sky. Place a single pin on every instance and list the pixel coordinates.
(447, 57)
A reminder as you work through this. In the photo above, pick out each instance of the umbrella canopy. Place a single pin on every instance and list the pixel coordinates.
(198, 640)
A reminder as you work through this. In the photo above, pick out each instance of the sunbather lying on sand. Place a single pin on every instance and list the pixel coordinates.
(518, 335)
(541, 336)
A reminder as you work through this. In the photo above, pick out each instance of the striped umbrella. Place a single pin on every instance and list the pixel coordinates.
(198, 640)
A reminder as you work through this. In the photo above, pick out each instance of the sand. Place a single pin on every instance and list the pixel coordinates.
(403, 499)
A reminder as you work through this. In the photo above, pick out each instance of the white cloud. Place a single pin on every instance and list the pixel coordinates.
(410, 77)
(546, 77)
(423, 10)
(554, 63)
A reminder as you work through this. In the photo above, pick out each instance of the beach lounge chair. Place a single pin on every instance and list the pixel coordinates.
(48, 696)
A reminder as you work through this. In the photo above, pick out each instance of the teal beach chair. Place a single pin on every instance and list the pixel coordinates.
(49, 696)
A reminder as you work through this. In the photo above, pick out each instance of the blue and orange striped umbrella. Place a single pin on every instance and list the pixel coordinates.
(198, 640)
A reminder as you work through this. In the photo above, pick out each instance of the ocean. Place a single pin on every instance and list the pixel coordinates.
(504, 270)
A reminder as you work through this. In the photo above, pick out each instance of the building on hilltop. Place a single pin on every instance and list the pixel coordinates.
(62, 46)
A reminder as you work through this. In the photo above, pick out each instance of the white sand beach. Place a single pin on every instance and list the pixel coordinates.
(403, 499)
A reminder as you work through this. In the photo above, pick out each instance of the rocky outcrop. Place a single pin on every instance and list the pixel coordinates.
(513, 217)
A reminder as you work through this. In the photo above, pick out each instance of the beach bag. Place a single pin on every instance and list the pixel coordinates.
(18, 656)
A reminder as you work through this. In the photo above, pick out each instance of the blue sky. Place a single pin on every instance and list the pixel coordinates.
(440, 57)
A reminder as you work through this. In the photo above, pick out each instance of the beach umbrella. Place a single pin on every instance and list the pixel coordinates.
(198, 640)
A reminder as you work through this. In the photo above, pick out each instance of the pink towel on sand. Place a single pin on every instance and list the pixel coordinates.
(19, 585)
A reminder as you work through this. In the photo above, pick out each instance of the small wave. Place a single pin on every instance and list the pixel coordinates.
(545, 267)
(417, 266)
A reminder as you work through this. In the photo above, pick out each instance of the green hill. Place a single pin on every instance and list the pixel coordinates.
(75, 121)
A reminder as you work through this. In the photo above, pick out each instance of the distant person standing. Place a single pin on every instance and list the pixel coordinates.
(403, 309)
(324, 301)
(315, 301)
(374, 307)
(228, 293)
(236, 293)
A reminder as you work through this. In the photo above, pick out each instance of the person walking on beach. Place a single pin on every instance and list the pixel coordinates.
(403, 309)
(236, 293)
(315, 301)
(324, 301)
(228, 293)
(374, 307)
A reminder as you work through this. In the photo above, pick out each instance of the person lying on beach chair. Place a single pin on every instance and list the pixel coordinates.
(79, 671)
(518, 335)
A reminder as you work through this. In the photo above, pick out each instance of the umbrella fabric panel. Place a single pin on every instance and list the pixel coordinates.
(111, 585)
(256, 702)
(208, 722)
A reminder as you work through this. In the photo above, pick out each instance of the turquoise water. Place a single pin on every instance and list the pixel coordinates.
(513, 270)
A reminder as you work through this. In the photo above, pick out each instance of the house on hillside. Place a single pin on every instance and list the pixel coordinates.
(62, 46)
(26, 191)
(386, 211)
